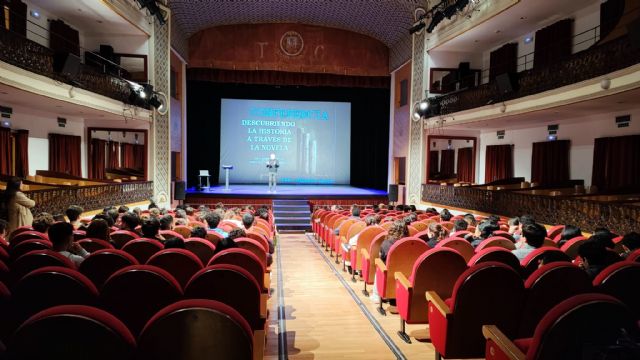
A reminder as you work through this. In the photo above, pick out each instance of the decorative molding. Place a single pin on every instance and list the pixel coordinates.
(414, 178)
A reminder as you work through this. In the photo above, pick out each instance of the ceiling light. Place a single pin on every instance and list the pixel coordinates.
(417, 27)
(34, 14)
(528, 39)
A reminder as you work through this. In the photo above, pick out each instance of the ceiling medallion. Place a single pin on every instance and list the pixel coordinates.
(291, 43)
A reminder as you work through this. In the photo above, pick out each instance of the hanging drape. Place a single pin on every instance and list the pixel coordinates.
(465, 165)
(503, 60)
(5, 151)
(22, 153)
(126, 156)
(447, 165)
(616, 164)
(498, 163)
(434, 164)
(64, 154)
(138, 156)
(550, 162)
(97, 156)
(553, 43)
(114, 155)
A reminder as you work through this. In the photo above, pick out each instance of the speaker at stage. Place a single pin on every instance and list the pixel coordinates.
(179, 191)
(506, 83)
(67, 65)
(393, 192)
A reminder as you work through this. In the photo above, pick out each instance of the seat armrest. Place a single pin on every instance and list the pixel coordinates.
(258, 344)
(263, 305)
(400, 278)
(438, 303)
(381, 265)
(506, 346)
(365, 254)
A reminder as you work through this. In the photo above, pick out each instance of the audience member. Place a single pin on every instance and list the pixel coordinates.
(228, 242)
(61, 237)
(181, 222)
(445, 215)
(369, 220)
(15, 206)
(396, 232)
(213, 219)
(436, 233)
(166, 222)
(99, 229)
(4, 225)
(630, 242)
(514, 225)
(470, 219)
(151, 229)
(569, 232)
(524, 220)
(533, 235)
(129, 222)
(174, 242)
(460, 225)
(604, 236)
(73, 214)
(483, 231)
(42, 221)
(199, 232)
(106, 218)
(593, 254)
(247, 221)
(123, 209)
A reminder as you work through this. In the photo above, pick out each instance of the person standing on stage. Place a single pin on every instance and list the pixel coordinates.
(273, 164)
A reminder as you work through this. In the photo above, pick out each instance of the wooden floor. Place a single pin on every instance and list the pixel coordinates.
(321, 316)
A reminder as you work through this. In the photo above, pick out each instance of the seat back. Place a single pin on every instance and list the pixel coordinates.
(103, 263)
(27, 235)
(460, 245)
(213, 237)
(504, 234)
(401, 258)
(571, 247)
(621, 280)
(497, 254)
(364, 242)
(244, 259)
(51, 286)
(634, 256)
(420, 226)
(447, 225)
(259, 238)
(143, 249)
(496, 241)
(355, 228)
(593, 319)
(181, 263)
(29, 245)
(72, 332)
(135, 293)
(412, 231)
(18, 231)
(93, 245)
(121, 237)
(369, 269)
(547, 287)
(253, 246)
(218, 329)
(460, 234)
(532, 261)
(231, 285)
(35, 260)
(203, 249)
(170, 233)
(554, 231)
(183, 230)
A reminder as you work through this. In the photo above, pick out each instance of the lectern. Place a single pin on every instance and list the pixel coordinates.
(226, 176)
(204, 174)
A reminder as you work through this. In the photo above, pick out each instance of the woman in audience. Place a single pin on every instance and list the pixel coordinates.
(514, 224)
(16, 205)
(470, 219)
(445, 215)
(593, 254)
(569, 232)
(151, 229)
(396, 232)
(99, 229)
(73, 214)
(42, 221)
(61, 236)
(534, 235)
(483, 231)
(436, 234)
(228, 242)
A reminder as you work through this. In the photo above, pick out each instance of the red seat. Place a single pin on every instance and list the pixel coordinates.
(634, 256)
(460, 245)
(571, 247)
(4, 273)
(170, 233)
(121, 237)
(37, 259)
(369, 257)
(495, 241)
(487, 293)
(51, 286)
(436, 270)
(504, 234)
(532, 261)
(183, 230)
(222, 333)
(253, 246)
(259, 238)
(143, 249)
(244, 259)
(18, 231)
(27, 235)
(621, 280)
(29, 245)
(460, 234)
(547, 287)
(364, 242)
(6, 312)
(103, 263)
(497, 254)
(181, 263)
(203, 249)
(79, 235)
(72, 332)
(93, 245)
(135, 293)
(578, 328)
(231, 285)
(555, 231)
(213, 237)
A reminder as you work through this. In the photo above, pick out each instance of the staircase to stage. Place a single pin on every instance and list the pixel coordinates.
(292, 215)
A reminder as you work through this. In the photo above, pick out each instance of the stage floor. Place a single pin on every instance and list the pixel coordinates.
(288, 191)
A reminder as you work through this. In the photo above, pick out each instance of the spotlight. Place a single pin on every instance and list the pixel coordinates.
(461, 4)
(449, 11)
(437, 18)
(417, 27)
(154, 10)
(424, 105)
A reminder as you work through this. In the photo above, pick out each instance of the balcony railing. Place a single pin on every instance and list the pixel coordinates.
(29, 55)
(593, 62)
(94, 197)
(585, 212)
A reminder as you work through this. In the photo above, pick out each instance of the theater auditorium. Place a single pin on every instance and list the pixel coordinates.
(304, 179)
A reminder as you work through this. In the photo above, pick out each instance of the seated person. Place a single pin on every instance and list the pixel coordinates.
(605, 237)
(396, 232)
(470, 219)
(106, 218)
(569, 232)
(355, 214)
(99, 229)
(630, 242)
(199, 232)
(534, 235)
(436, 233)
(593, 254)
(166, 222)
(123, 209)
(460, 225)
(524, 220)
(213, 219)
(129, 222)
(42, 221)
(370, 220)
(514, 224)
(4, 225)
(228, 242)
(151, 229)
(445, 215)
(174, 242)
(483, 231)
(61, 236)
(247, 221)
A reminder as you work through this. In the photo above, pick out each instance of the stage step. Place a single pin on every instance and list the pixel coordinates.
(292, 214)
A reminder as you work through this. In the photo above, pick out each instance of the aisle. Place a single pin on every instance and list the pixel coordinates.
(322, 318)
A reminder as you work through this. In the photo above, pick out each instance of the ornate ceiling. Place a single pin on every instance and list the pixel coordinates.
(385, 20)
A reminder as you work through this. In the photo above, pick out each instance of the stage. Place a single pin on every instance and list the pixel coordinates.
(259, 194)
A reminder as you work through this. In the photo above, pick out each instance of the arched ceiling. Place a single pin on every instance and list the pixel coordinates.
(384, 20)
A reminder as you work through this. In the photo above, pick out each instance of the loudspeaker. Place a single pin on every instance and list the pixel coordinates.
(506, 83)
(393, 192)
(67, 65)
(179, 190)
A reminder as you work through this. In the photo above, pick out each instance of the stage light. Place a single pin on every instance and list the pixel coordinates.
(449, 11)
(424, 105)
(417, 27)
(461, 4)
(416, 115)
(437, 18)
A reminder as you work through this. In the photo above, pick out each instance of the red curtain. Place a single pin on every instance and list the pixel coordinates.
(22, 153)
(127, 157)
(615, 163)
(465, 165)
(64, 154)
(138, 156)
(447, 166)
(433, 162)
(97, 154)
(498, 163)
(550, 162)
(553, 43)
(114, 155)
(5, 151)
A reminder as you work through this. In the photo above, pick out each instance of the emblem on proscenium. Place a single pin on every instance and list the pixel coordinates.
(291, 43)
